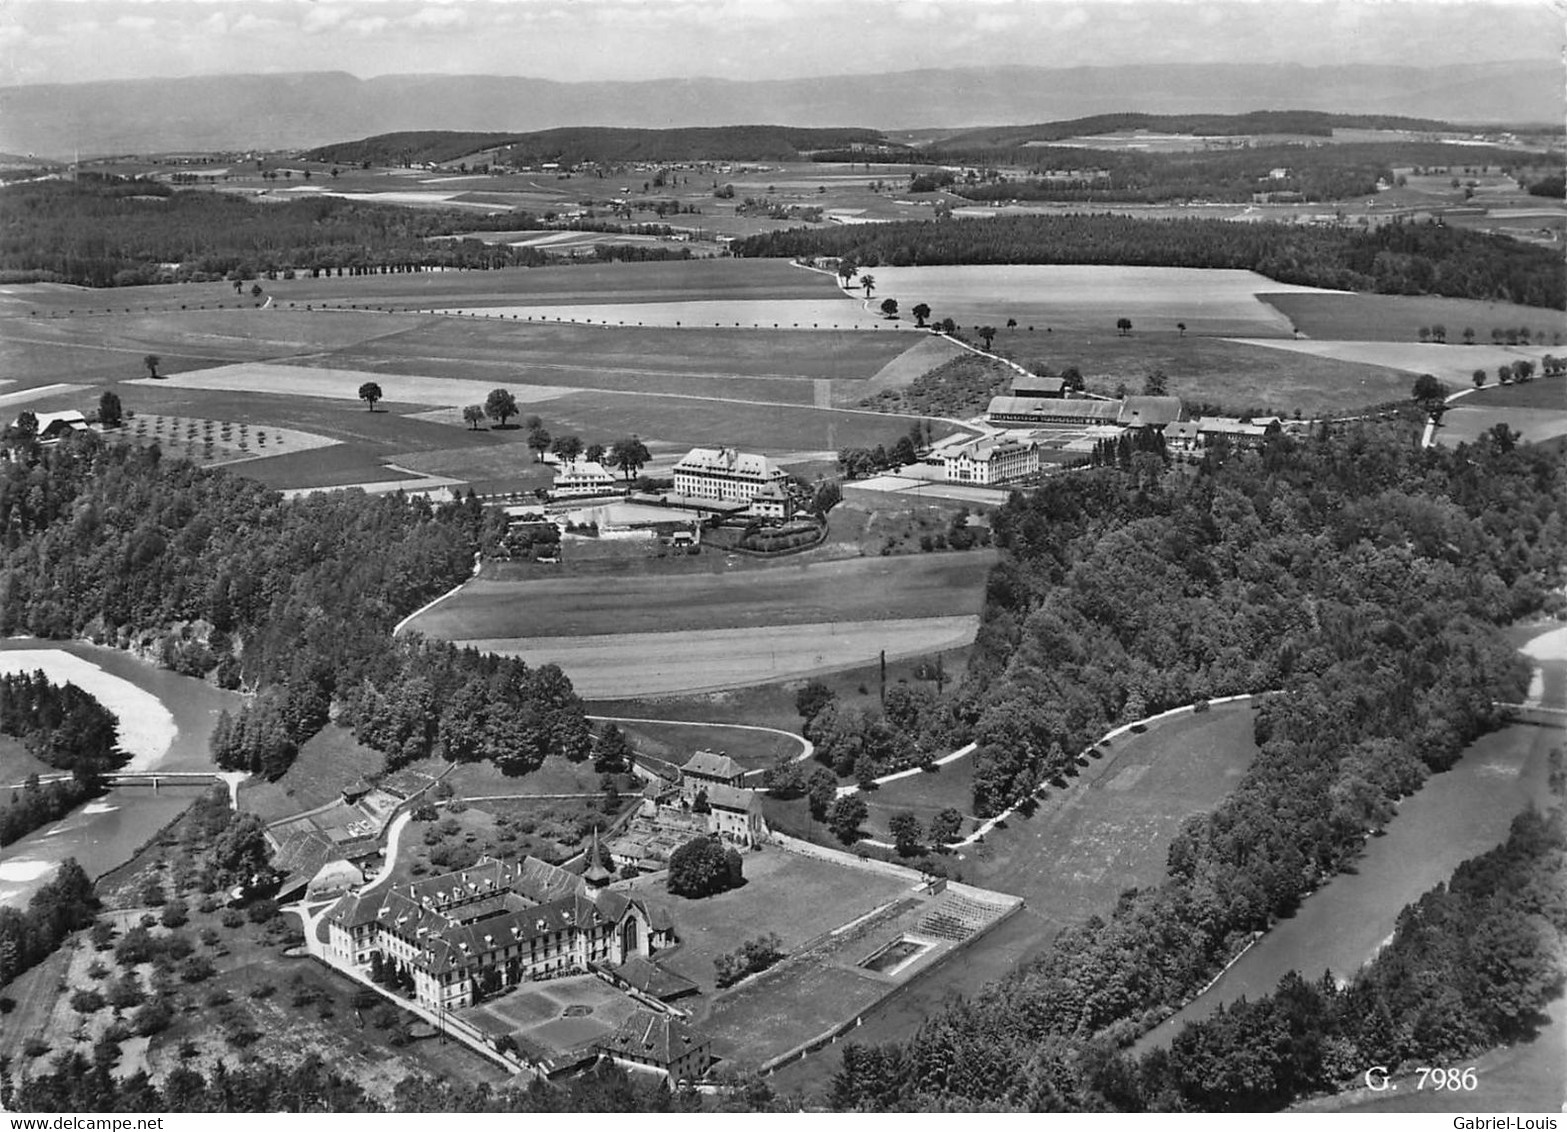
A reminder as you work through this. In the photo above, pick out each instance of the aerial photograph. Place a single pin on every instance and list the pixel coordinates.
(783, 556)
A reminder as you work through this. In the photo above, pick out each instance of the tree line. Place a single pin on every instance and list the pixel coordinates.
(293, 601)
(1403, 258)
(1359, 574)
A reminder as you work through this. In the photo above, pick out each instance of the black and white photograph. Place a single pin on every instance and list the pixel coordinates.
(826, 558)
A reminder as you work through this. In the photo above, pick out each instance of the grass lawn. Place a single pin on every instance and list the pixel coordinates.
(1236, 375)
(677, 742)
(16, 763)
(793, 896)
(556, 776)
(1541, 393)
(1398, 318)
(329, 761)
(861, 589)
(923, 795)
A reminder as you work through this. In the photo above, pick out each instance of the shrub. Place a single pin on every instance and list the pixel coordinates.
(196, 969)
(232, 918)
(86, 1002)
(261, 910)
(175, 914)
(153, 1018)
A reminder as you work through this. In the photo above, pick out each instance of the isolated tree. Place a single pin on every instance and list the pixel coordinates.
(988, 333)
(847, 269)
(110, 413)
(699, 868)
(948, 326)
(921, 313)
(1072, 377)
(1181, 326)
(1156, 384)
(1523, 370)
(1431, 395)
(473, 414)
(1469, 336)
(1439, 333)
(905, 830)
(539, 441)
(869, 283)
(568, 448)
(846, 817)
(594, 452)
(1425, 333)
(1479, 378)
(1504, 374)
(370, 393)
(500, 406)
(152, 361)
(1011, 324)
(889, 307)
(27, 424)
(1123, 326)
(630, 455)
(255, 290)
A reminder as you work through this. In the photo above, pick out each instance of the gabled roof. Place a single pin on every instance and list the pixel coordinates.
(712, 764)
(651, 1036)
(649, 978)
(727, 461)
(1146, 411)
(723, 797)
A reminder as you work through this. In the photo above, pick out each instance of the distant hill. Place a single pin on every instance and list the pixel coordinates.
(298, 111)
(1310, 123)
(573, 144)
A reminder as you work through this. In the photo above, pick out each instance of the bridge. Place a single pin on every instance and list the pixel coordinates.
(1537, 714)
(155, 778)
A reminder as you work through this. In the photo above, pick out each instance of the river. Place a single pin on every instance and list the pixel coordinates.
(166, 720)
(1456, 815)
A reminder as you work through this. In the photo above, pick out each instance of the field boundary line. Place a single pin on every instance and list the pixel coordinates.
(807, 748)
(478, 563)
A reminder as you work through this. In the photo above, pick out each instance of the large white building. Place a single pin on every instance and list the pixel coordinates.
(724, 473)
(577, 478)
(992, 461)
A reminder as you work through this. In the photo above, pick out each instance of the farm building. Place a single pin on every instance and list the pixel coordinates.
(992, 461)
(735, 815)
(1129, 412)
(1238, 432)
(724, 473)
(53, 426)
(661, 1043)
(577, 478)
(473, 932)
(709, 768)
(1148, 412)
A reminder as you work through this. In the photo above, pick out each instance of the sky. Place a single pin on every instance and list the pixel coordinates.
(585, 40)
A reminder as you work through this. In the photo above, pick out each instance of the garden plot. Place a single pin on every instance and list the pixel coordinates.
(343, 384)
(1208, 301)
(213, 442)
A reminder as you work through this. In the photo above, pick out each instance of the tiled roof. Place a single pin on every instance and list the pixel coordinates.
(648, 977)
(711, 764)
(1155, 411)
(1075, 409)
(732, 797)
(727, 461)
(652, 1036)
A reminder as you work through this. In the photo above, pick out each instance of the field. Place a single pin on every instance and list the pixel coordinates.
(1454, 364)
(1236, 374)
(328, 761)
(650, 664)
(677, 742)
(16, 763)
(1090, 297)
(923, 795)
(1536, 410)
(1108, 830)
(856, 590)
(1398, 318)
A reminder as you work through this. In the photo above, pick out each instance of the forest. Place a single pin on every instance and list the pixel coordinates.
(1360, 576)
(115, 233)
(63, 726)
(1401, 259)
(294, 601)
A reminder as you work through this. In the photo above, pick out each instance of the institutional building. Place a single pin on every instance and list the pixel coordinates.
(653, 1041)
(992, 461)
(468, 934)
(577, 478)
(724, 473)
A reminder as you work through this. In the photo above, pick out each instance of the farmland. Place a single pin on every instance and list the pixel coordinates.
(1091, 297)
(1398, 318)
(1536, 410)
(862, 589)
(1451, 363)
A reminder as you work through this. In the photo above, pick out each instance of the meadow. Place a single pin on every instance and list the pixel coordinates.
(859, 589)
(1454, 364)
(1089, 297)
(1398, 318)
(1536, 410)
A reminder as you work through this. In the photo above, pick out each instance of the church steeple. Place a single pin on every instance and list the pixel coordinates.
(596, 874)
